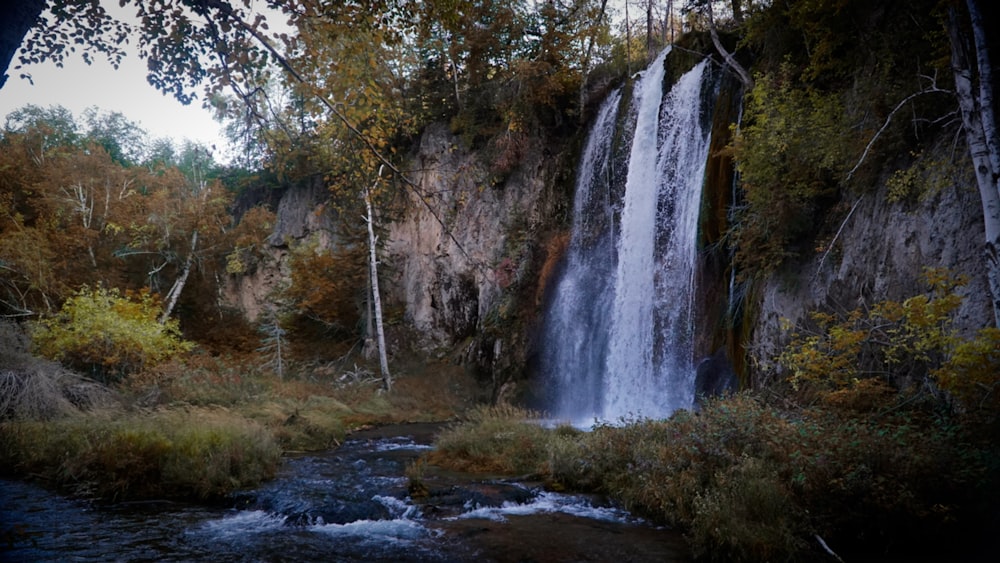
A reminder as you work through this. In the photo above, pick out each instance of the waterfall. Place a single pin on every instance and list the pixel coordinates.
(618, 337)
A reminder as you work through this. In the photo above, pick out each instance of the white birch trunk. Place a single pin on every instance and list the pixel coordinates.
(376, 298)
(979, 150)
(985, 68)
(175, 291)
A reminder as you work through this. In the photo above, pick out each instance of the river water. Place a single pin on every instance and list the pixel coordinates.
(348, 504)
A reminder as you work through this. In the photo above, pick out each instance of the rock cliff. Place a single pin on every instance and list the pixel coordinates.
(880, 254)
(465, 246)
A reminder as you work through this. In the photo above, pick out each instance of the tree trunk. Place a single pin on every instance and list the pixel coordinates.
(986, 106)
(376, 298)
(628, 42)
(586, 61)
(979, 150)
(18, 17)
(175, 291)
(650, 42)
(743, 74)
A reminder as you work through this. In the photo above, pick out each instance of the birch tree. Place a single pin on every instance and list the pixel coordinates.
(376, 300)
(979, 123)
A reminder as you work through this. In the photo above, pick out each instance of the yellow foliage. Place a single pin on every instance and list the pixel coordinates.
(972, 373)
(891, 340)
(109, 335)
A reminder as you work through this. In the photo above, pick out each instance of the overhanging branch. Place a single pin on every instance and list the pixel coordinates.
(227, 11)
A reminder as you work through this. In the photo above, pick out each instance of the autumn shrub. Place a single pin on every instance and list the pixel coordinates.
(910, 343)
(109, 335)
(792, 152)
(195, 453)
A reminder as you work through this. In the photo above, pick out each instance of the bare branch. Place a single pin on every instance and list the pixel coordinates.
(932, 89)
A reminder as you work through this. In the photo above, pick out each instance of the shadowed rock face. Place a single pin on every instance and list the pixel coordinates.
(715, 377)
(881, 254)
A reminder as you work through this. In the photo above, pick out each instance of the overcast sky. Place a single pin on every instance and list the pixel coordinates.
(78, 86)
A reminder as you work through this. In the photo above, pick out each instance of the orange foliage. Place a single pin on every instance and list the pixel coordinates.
(554, 252)
(329, 287)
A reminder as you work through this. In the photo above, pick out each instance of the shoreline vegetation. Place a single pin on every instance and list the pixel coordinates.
(747, 478)
(197, 428)
(880, 440)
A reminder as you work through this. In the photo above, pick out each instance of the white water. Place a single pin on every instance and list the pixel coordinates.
(547, 503)
(620, 329)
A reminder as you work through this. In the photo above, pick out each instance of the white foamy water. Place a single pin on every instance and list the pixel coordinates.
(244, 523)
(547, 502)
(375, 530)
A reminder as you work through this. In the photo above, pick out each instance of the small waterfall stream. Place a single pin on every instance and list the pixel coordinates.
(619, 339)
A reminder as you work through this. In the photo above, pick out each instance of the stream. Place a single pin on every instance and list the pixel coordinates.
(347, 504)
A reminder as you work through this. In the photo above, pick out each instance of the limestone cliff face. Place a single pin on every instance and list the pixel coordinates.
(454, 256)
(459, 250)
(880, 254)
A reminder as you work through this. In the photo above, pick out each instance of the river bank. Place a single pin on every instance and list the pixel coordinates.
(349, 503)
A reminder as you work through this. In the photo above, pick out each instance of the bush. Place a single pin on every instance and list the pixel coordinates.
(108, 335)
(791, 154)
(897, 343)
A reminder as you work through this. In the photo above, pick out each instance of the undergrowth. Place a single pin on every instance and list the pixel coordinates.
(196, 427)
(749, 481)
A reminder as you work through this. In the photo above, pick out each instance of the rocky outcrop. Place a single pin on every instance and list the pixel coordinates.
(300, 213)
(463, 243)
(880, 254)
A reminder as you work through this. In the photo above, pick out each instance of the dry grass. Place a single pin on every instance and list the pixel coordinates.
(200, 427)
(32, 388)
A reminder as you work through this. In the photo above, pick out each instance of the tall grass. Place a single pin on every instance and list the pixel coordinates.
(196, 453)
(198, 428)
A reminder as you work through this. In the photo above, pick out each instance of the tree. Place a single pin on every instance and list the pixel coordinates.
(376, 296)
(17, 18)
(706, 8)
(980, 125)
(72, 215)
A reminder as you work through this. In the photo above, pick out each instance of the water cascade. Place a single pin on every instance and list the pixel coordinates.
(619, 338)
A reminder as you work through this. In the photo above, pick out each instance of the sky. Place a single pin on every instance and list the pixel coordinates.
(78, 86)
